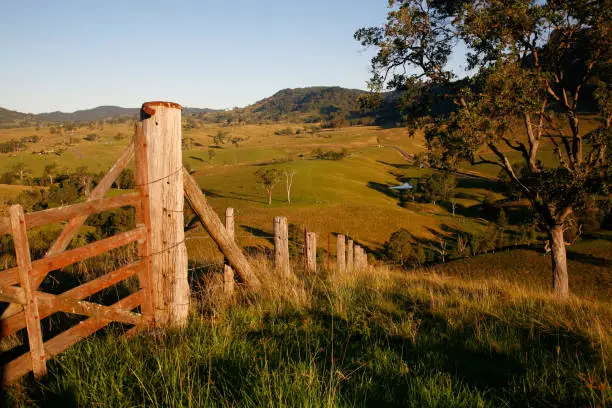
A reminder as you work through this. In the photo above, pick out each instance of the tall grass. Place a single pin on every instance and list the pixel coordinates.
(378, 338)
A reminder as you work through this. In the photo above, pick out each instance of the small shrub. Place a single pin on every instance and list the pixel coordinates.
(92, 137)
(330, 154)
(284, 132)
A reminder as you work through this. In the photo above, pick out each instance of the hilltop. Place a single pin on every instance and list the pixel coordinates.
(9, 118)
(333, 105)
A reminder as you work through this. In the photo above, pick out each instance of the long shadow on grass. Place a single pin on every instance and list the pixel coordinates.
(588, 259)
(258, 232)
(233, 196)
(485, 355)
(377, 365)
(384, 189)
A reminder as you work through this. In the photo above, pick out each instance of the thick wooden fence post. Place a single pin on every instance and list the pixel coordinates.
(310, 251)
(281, 246)
(228, 272)
(350, 264)
(340, 253)
(32, 317)
(161, 124)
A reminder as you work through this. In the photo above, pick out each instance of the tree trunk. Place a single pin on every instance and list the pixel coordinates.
(269, 197)
(559, 263)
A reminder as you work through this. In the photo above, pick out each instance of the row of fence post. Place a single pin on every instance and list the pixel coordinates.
(349, 256)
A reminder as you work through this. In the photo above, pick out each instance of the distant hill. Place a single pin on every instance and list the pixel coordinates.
(315, 101)
(9, 118)
(327, 104)
(87, 115)
(101, 113)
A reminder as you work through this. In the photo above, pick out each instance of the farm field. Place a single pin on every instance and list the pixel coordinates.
(348, 196)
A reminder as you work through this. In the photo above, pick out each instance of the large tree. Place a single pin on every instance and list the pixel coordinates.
(534, 64)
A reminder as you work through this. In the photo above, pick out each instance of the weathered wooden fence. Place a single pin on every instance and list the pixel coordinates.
(162, 299)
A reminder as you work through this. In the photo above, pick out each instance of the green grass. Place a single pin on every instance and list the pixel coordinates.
(589, 265)
(377, 339)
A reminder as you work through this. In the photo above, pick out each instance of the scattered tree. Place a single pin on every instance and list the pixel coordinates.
(84, 179)
(268, 179)
(21, 170)
(399, 247)
(437, 186)
(220, 138)
(50, 172)
(289, 183)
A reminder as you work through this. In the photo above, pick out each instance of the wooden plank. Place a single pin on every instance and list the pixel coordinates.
(340, 253)
(310, 251)
(162, 132)
(40, 218)
(281, 246)
(229, 281)
(350, 248)
(211, 222)
(30, 299)
(20, 366)
(42, 266)
(70, 230)
(16, 322)
(143, 217)
(228, 273)
(69, 305)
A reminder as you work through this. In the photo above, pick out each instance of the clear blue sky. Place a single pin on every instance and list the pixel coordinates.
(69, 55)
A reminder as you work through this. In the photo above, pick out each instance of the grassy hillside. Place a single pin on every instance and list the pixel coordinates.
(331, 105)
(382, 338)
(349, 196)
(479, 331)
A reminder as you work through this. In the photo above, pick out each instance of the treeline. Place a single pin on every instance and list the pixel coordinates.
(64, 184)
(16, 145)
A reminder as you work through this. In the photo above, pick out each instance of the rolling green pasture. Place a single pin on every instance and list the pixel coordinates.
(350, 196)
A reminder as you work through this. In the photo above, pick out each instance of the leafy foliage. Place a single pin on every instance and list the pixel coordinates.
(533, 59)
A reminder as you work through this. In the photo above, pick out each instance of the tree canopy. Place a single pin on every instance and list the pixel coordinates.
(536, 64)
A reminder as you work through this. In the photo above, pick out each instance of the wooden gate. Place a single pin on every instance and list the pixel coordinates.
(163, 295)
(20, 285)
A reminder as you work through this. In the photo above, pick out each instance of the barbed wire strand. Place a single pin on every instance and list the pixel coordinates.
(160, 179)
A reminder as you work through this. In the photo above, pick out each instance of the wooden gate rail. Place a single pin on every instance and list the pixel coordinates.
(70, 230)
(21, 365)
(61, 243)
(28, 305)
(43, 266)
(40, 218)
(17, 322)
